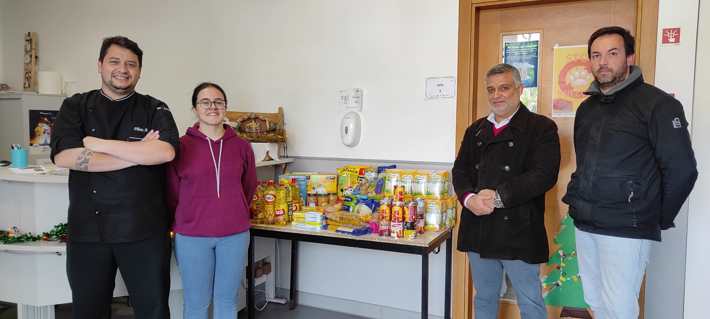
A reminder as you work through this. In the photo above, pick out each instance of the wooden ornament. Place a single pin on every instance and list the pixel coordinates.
(30, 79)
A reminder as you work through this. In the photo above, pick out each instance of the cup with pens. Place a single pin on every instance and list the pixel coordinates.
(18, 156)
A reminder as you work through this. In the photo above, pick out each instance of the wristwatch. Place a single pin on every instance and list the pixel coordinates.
(497, 202)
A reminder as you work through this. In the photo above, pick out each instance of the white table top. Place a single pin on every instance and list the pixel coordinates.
(422, 240)
(7, 175)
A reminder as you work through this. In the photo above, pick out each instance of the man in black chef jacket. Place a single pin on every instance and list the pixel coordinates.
(115, 142)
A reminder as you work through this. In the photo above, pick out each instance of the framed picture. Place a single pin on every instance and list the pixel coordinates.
(41, 125)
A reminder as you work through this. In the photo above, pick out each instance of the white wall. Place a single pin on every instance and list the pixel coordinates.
(675, 65)
(267, 53)
(698, 260)
(2, 38)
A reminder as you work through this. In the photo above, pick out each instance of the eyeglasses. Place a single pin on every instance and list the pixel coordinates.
(216, 104)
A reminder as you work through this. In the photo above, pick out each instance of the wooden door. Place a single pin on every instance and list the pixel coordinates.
(558, 23)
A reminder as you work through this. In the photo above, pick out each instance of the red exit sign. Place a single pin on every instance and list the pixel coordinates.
(670, 36)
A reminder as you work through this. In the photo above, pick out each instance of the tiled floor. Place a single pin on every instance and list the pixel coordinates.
(272, 311)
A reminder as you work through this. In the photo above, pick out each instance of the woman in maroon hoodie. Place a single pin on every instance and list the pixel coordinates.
(210, 186)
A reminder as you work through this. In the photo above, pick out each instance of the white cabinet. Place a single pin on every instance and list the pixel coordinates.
(33, 275)
(15, 119)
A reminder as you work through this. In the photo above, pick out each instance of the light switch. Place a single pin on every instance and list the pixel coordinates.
(440, 87)
(351, 99)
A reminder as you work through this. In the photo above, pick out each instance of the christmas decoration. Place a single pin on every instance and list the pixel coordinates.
(562, 285)
(13, 236)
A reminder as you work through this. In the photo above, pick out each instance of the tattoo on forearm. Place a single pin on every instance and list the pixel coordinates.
(82, 161)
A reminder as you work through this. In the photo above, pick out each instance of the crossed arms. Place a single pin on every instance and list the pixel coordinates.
(102, 155)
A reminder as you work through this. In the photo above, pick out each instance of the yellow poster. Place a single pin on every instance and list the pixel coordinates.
(572, 75)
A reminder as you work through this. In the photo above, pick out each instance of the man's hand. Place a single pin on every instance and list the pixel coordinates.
(151, 136)
(497, 203)
(482, 203)
(487, 193)
(94, 144)
(150, 150)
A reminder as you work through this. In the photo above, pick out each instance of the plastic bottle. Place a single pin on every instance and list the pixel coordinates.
(257, 204)
(260, 192)
(295, 196)
(385, 216)
(269, 202)
(288, 197)
(419, 222)
(253, 212)
(410, 217)
(397, 223)
(281, 205)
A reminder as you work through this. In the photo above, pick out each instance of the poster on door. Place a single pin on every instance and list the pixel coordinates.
(523, 56)
(572, 75)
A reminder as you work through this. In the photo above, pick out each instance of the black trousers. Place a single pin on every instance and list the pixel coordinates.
(145, 269)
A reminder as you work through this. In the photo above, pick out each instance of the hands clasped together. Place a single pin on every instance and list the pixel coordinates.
(482, 203)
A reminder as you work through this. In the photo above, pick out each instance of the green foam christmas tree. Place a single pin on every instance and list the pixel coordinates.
(563, 286)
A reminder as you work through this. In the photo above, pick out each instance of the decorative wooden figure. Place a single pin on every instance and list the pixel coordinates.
(30, 81)
(261, 128)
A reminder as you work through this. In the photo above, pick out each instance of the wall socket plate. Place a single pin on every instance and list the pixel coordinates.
(351, 99)
(440, 87)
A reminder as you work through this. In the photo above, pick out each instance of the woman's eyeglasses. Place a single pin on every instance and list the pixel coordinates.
(216, 104)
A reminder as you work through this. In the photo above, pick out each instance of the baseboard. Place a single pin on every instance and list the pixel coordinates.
(353, 307)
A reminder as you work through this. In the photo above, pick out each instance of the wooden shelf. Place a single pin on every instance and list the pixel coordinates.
(274, 162)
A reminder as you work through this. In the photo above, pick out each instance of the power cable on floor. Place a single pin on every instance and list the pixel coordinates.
(266, 301)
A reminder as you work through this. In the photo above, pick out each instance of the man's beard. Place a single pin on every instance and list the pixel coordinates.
(121, 89)
(616, 77)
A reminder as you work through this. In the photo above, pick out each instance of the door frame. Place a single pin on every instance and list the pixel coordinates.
(646, 36)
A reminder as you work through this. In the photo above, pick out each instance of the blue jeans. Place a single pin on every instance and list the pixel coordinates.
(211, 269)
(488, 277)
(612, 269)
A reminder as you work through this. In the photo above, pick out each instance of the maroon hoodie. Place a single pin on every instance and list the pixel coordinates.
(211, 184)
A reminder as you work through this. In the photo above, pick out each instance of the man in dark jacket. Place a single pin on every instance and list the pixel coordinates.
(506, 163)
(115, 142)
(635, 168)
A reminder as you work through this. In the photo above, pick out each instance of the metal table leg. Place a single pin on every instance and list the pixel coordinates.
(425, 286)
(447, 284)
(294, 275)
(250, 278)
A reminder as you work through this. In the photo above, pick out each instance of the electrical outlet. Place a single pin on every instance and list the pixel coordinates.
(440, 87)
